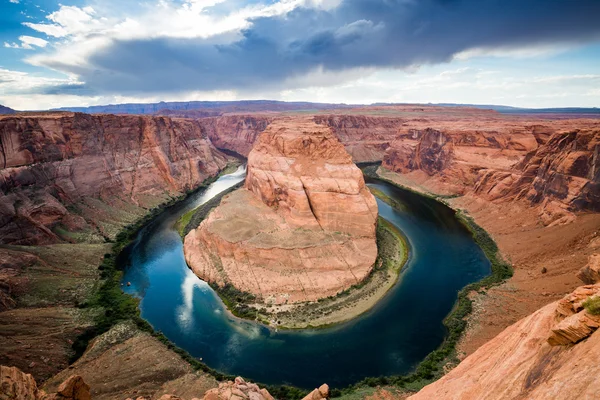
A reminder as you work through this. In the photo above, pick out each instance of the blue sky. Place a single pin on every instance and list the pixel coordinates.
(529, 53)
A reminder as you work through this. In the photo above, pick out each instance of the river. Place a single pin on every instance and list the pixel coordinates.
(392, 338)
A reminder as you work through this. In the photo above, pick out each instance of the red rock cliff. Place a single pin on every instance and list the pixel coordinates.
(57, 166)
(551, 165)
(551, 354)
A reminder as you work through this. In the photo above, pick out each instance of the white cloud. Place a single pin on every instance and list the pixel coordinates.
(14, 1)
(27, 42)
(459, 85)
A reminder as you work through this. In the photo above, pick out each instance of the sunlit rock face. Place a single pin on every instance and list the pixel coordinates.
(302, 228)
(551, 354)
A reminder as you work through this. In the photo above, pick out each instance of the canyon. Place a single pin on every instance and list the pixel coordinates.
(72, 181)
(303, 227)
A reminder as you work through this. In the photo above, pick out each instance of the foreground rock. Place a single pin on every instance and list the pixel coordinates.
(302, 229)
(238, 390)
(551, 354)
(18, 385)
(318, 394)
(590, 274)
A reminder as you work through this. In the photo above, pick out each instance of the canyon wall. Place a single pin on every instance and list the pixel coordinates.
(303, 228)
(235, 133)
(554, 165)
(365, 137)
(77, 172)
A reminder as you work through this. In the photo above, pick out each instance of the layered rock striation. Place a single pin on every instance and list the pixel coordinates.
(57, 166)
(303, 227)
(553, 166)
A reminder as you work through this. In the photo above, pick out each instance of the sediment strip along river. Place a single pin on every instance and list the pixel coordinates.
(390, 339)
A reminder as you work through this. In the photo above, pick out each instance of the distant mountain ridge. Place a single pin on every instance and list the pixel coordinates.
(512, 110)
(6, 110)
(215, 107)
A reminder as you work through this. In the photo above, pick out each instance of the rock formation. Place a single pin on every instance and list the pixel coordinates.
(318, 394)
(302, 229)
(590, 274)
(238, 389)
(551, 354)
(54, 164)
(17, 385)
(548, 166)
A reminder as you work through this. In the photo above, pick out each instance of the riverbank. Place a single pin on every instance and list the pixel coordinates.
(393, 252)
(438, 362)
(545, 259)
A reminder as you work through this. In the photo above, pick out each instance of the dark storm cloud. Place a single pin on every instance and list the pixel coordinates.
(358, 33)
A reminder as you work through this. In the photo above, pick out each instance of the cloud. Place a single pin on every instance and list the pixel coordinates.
(270, 46)
(27, 42)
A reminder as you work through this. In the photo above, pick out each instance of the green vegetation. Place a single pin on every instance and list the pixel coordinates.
(192, 219)
(592, 305)
(236, 300)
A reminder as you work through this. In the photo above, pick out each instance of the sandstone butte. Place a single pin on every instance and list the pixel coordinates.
(303, 226)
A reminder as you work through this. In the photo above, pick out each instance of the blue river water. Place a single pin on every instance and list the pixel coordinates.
(391, 338)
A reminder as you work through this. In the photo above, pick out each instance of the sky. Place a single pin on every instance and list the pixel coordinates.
(525, 53)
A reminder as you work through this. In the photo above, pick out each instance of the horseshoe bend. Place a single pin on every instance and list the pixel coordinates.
(415, 217)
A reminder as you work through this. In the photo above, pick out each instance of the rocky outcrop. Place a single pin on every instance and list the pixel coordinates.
(303, 171)
(590, 274)
(17, 385)
(238, 390)
(55, 165)
(551, 354)
(302, 229)
(318, 394)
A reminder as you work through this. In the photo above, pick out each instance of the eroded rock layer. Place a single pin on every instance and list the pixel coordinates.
(302, 229)
(555, 166)
(57, 166)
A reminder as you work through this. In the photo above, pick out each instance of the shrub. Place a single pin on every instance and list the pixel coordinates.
(592, 305)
